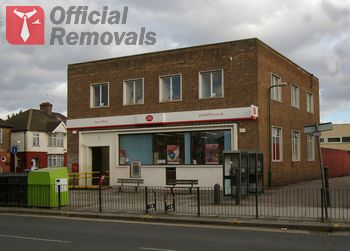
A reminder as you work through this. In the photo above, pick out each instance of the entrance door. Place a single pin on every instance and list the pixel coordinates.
(100, 165)
(35, 163)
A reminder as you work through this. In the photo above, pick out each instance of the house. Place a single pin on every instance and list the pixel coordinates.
(335, 146)
(40, 138)
(136, 116)
(5, 147)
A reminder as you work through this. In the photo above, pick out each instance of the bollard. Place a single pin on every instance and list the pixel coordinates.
(217, 194)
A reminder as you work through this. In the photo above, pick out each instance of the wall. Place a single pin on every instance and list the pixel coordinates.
(5, 148)
(337, 161)
(339, 130)
(285, 116)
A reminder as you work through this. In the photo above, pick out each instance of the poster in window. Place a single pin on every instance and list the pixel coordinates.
(211, 153)
(122, 157)
(135, 169)
(173, 154)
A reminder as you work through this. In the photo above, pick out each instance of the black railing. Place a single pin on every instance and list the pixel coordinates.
(301, 203)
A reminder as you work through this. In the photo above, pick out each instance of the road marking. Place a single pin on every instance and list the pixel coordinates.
(32, 239)
(156, 249)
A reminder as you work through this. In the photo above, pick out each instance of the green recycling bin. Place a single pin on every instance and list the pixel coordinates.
(43, 186)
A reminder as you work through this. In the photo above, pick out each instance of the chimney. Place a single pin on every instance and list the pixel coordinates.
(46, 107)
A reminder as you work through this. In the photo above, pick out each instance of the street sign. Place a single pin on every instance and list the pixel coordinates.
(14, 150)
(318, 128)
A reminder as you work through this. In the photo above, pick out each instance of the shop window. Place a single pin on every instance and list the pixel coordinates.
(133, 92)
(170, 88)
(36, 139)
(295, 96)
(135, 147)
(99, 95)
(310, 147)
(295, 145)
(309, 102)
(211, 84)
(169, 148)
(207, 147)
(276, 144)
(276, 92)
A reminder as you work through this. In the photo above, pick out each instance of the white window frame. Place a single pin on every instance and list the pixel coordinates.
(294, 99)
(295, 132)
(161, 98)
(280, 144)
(124, 91)
(36, 139)
(211, 84)
(55, 160)
(334, 137)
(311, 108)
(92, 103)
(308, 137)
(56, 140)
(1, 135)
(276, 92)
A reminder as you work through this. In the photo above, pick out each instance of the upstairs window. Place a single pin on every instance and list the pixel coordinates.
(36, 139)
(99, 95)
(1, 136)
(309, 102)
(211, 84)
(56, 140)
(170, 88)
(334, 140)
(133, 92)
(276, 92)
(295, 96)
(346, 139)
(310, 147)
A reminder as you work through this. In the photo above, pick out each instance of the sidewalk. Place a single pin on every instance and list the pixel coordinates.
(312, 226)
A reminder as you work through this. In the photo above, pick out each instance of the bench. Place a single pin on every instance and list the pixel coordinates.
(184, 182)
(129, 181)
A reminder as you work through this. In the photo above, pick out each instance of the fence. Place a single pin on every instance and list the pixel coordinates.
(301, 203)
(88, 179)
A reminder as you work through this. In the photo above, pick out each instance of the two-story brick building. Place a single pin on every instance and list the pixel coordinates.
(183, 107)
(5, 146)
(40, 137)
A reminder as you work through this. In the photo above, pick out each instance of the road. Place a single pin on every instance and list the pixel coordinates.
(44, 233)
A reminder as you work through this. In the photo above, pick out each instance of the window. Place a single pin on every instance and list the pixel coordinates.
(211, 84)
(56, 140)
(276, 92)
(276, 144)
(334, 140)
(99, 95)
(170, 88)
(55, 160)
(174, 148)
(133, 92)
(36, 139)
(295, 96)
(321, 140)
(1, 135)
(310, 147)
(309, 102)
(295, 146)
(346, 139)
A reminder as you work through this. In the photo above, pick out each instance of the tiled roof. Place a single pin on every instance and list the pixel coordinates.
(36, 120)
(4, 124)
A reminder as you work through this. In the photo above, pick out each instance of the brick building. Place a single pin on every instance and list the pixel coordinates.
(5, 146)
(177, 107)
(40, 137)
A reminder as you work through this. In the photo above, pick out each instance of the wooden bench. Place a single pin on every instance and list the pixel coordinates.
(129, 181)
(184, 182)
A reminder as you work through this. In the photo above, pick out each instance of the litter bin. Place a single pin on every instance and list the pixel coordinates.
(43, 187)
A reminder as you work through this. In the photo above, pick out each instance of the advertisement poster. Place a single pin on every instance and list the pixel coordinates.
(135, 170)
(173, 154)
(122, 158)
(211, 153)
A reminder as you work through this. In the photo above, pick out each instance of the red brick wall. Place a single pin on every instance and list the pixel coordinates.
(285, 116)
(5, 149)
(26, 158)
(337, 161)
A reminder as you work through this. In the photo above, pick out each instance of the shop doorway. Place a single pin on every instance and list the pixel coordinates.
(100, 165)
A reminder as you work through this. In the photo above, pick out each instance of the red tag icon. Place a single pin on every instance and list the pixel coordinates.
(25, 25)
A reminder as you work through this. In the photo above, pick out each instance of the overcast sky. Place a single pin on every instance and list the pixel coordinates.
(314, 34)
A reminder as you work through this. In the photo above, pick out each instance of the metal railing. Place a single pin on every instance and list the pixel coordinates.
(295, 203)
(88, 179)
